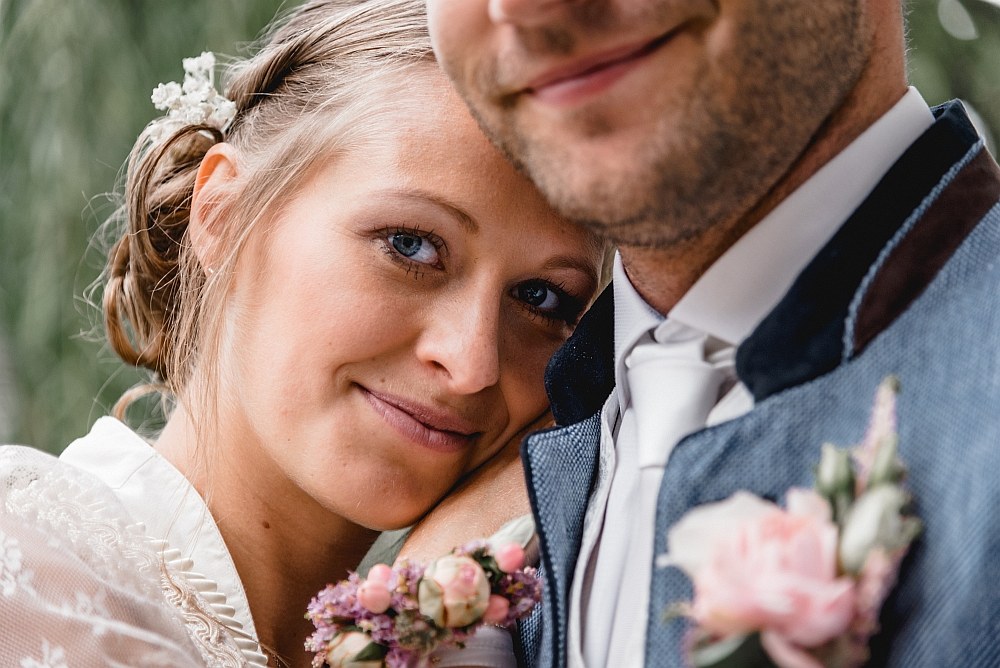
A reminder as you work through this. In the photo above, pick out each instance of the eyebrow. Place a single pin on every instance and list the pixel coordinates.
(571, 262)
(456, 212)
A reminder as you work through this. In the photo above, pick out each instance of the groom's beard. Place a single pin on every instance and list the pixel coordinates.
(663, 168)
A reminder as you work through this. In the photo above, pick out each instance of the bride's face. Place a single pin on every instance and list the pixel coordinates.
(391, 331)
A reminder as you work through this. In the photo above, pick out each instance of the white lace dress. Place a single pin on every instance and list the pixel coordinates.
(109, 557)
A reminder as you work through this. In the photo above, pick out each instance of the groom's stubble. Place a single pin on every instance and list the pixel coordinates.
(746, 93)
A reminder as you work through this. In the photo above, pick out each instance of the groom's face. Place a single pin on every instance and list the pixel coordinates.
(651, 120)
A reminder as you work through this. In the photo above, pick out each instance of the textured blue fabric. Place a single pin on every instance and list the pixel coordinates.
(558, 467)
(944, 347)
(946, 351)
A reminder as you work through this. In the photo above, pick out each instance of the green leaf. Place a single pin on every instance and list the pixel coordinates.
(733, 652)
(490, 567)
(373, 652)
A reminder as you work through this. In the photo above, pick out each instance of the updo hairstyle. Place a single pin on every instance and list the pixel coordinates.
(321, 75)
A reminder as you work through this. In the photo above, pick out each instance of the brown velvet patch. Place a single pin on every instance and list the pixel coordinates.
(918, 258)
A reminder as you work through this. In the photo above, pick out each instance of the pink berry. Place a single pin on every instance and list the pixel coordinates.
(510, 558)
(496, 610)
(374, 596)
(380, 573)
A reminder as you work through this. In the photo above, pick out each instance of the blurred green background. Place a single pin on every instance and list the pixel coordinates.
(75, 78)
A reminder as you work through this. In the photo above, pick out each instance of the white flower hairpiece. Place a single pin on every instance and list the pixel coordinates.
(195, 102)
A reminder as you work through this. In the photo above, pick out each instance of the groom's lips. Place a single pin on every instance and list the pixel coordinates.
(572, 83)
(434, 428)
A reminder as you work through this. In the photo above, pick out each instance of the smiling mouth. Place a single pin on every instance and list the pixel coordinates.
(434, 429)
(571, 84)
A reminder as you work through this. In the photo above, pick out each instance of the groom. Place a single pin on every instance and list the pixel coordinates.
(794, 224)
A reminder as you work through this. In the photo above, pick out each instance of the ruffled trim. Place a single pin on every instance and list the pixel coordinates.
(176, 563)
(71, 503)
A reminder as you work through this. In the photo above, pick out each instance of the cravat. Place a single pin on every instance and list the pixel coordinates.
(673, 383)
(672, 388)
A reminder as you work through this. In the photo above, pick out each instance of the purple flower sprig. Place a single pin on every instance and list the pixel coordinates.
(397, 617)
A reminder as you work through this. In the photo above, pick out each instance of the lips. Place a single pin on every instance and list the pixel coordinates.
(436, 429)
(583, 77)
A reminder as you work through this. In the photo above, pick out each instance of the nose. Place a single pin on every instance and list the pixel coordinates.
(525, 13)
(463, 342)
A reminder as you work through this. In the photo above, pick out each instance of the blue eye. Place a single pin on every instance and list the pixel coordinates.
(549, 301)
(414, 247)
(538, 295)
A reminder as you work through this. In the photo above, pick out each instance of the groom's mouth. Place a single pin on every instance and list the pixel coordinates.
(434, 428)
(573, 83)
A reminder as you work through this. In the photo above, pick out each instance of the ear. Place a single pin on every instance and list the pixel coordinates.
(212, 186)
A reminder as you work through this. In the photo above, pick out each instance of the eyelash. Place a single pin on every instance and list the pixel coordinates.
(567, 313)
(417, 269)
(569, 310)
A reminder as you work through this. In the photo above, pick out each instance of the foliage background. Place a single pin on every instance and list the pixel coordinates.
(75, 77)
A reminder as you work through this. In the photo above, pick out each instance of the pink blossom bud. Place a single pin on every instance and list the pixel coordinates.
(374, 596)
(510, 557)
(496, 610)
(343, 650)
(380, 573)
(454, 591)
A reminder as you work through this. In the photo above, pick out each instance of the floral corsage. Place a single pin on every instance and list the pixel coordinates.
(397, 617)
(799, 586)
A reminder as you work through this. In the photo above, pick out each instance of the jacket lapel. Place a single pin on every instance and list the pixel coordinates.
(806, 335)
(559, 467)
(581, 374)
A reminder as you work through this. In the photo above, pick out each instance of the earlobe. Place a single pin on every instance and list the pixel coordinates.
(212, 185)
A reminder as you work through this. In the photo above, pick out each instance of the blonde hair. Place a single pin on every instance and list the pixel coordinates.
(322, 74)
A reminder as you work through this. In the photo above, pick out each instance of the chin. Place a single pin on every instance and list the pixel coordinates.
(602, 204)
(593, 184)
(399, 516)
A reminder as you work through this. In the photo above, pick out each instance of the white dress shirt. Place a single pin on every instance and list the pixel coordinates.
(726, 304)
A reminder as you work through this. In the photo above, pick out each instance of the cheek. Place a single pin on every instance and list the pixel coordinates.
(292, 336)
(340, 313)
(460, 36)
(525, 353)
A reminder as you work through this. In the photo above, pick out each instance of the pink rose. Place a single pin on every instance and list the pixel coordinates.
(454, 591)
(756, 567)
(375, 594)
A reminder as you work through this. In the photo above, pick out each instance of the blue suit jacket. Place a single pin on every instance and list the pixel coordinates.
(910, 285)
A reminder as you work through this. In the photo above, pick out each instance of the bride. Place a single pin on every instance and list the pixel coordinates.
(349, 298)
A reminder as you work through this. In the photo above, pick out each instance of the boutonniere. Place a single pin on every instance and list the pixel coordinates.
(397, 617)
(799, 586)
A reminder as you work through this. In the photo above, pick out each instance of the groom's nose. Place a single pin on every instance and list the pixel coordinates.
(525, 13)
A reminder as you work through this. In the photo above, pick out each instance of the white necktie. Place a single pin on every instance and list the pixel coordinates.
(672, 388)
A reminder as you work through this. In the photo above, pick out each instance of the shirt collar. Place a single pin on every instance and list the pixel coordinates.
(750, 278)
(164, 501)
(746, 283)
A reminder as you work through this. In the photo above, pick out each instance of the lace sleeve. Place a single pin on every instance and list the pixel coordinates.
(79, 583)
(56, 611)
